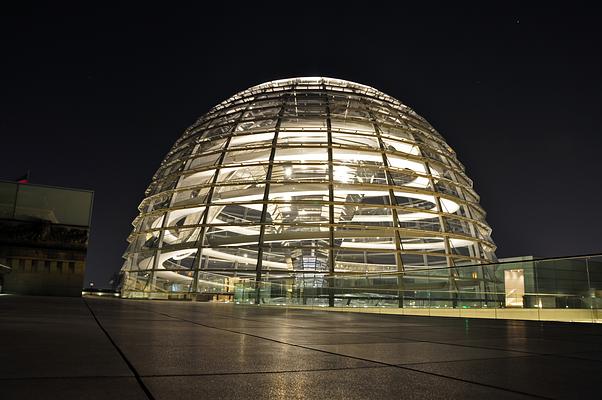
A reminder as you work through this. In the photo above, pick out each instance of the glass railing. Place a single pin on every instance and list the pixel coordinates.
(570, 284)
(564, 289)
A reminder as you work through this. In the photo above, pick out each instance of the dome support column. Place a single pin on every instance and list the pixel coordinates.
(201, 239)
(453, 273)
(393, 204)
(476, 251)
(157, 253)
(331, 241)
(196, 265)
(264, 209)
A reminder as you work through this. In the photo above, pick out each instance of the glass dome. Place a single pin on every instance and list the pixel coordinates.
(304, 178)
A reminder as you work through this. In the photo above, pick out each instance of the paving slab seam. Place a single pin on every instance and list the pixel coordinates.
(132, 319)
(363, 359)
(31, 378)
(257, 320)
(142, 385)
(510, 322)
(527, 353)
(294, 371)
(464, 359)
(484, 384)
(228, 316)
(334, 330)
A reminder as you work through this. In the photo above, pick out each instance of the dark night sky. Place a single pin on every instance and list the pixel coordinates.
(96, 98)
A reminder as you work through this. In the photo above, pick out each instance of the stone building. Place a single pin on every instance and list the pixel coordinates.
(43, 239)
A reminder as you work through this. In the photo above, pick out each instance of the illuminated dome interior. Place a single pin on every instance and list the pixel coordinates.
(303, 178)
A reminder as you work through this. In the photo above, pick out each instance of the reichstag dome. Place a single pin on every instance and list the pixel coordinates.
(309, 191)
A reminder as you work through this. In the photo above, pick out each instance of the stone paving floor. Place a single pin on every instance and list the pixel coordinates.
(93, 348)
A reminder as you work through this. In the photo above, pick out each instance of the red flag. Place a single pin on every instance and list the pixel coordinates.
(24, 178)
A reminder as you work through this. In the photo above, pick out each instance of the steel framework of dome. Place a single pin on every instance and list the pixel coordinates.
(297, 181)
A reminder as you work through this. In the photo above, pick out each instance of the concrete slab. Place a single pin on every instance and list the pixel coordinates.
(413, 352)
(93, 348)
(370, 383)
(547, 376)
(71, 388)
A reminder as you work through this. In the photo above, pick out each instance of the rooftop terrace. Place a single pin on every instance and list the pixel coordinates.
(94, 348)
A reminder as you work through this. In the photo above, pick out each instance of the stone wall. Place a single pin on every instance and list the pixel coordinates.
(45, 259)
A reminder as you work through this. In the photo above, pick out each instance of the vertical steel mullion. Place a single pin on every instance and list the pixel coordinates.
(331, 244)
(473, 229)
(201, 239)
(331, 262)
(158, 251)
(199, 244)
(589, 281)
(393, 204)
(392, 200)
(450, 263)
(471, 223)
(266, 196)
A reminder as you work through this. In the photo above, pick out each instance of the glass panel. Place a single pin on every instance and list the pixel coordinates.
(8, 196)
(401, 146)
(354, 140)
(305, 255)
(152, 221)
(141, 261)
(317, 193)
(245, 214)
(258, 125)
(260, 139)
(356, 156)
(251, 174)
(145, 241)
(352, 259)
(231, 235)
(229, 258)
(594, 269)
(250, 156)
(301, 155)
(368, 194)
(348, 125)
(302, 137)
(238, 193)
(204, 160)
(300, 172)
(155, 202)
(198, 195)
(363, 215)
(137, 283)
(561, 284)
(259, 113)
(59, 206)
(172, 281)
(175, 260)
(310, 123)
(176, 235)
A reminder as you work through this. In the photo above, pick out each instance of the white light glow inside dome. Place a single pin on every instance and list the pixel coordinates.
(304, 177)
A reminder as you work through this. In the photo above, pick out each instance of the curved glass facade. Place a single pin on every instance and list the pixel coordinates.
(298, 181)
